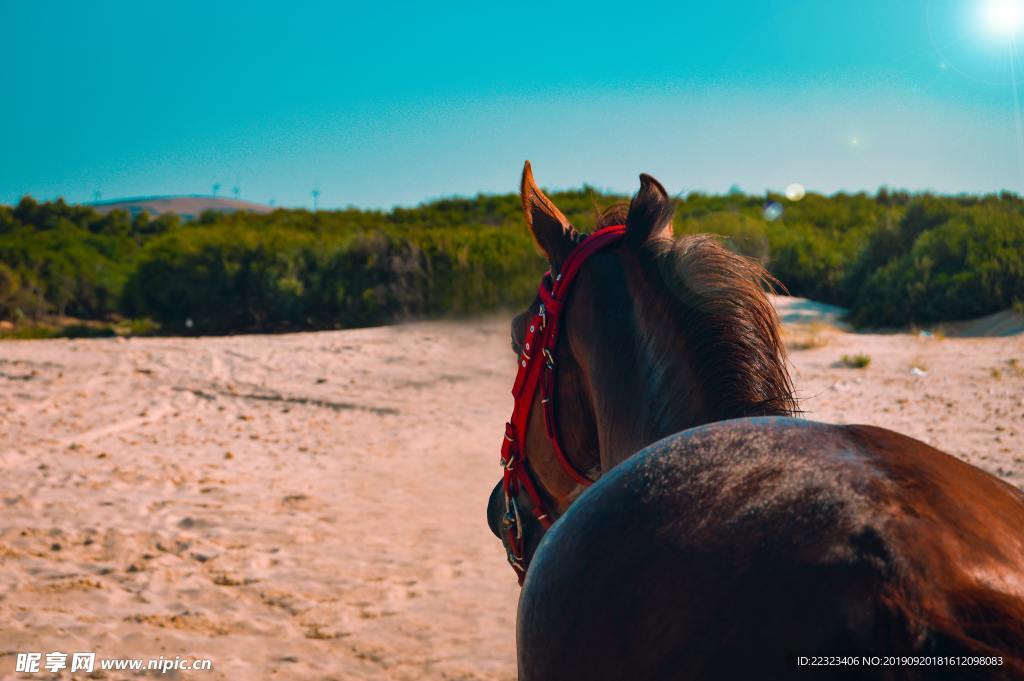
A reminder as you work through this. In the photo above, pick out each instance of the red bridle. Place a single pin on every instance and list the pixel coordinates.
(537, 371)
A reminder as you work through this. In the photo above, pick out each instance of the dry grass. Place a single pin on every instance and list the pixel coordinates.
(809, 336)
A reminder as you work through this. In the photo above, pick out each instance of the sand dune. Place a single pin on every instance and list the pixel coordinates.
(311, 506)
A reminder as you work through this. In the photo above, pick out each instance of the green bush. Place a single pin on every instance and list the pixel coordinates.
(855, 361)
(270, 275)
(893, 259)
(970, 265)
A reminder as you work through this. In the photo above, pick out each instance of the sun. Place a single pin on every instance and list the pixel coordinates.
(1003, 18)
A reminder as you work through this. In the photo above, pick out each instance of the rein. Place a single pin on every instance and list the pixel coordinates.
(537, 372)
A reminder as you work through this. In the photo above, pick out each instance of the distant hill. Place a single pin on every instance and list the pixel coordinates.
(188, 207)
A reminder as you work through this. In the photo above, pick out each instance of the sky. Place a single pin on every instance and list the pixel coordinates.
(380, 104)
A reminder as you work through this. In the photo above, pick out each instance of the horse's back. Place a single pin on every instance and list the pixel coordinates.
(726, 551)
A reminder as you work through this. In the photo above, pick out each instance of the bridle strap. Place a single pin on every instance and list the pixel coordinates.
(537, 372)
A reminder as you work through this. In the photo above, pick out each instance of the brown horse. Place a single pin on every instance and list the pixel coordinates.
(723, 537)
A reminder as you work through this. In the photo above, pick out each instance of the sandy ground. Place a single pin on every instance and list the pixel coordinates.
(311, 506)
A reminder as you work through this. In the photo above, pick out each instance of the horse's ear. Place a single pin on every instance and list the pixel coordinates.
(551, 230)
(650, 213)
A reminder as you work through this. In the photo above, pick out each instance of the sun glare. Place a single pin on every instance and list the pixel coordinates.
(1003, 18)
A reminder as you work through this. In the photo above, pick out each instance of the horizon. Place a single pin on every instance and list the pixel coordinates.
(567, 190)
(380, 108)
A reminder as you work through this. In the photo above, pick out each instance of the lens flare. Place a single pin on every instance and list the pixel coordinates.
(795, 191)
(772, 211)
(1003, 18)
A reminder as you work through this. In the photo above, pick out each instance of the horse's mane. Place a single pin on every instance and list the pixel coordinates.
(731, 326)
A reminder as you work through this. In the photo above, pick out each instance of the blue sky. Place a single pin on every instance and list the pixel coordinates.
(380, 104)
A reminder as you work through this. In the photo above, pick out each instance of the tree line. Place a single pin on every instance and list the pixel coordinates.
(893, 258)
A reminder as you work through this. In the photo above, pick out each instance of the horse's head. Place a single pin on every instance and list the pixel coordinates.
(652, 335)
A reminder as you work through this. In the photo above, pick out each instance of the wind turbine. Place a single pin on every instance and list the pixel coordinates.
(96, 195)
(216, 188)
(316, 199)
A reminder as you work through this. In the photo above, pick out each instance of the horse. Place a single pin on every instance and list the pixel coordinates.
(675, 516)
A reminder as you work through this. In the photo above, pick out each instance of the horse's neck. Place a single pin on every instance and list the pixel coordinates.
(644, 382)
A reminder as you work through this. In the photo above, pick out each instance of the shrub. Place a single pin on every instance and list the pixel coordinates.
(856, 361)
(893, 259)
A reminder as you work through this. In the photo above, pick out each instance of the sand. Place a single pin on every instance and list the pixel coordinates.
(311, 506)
